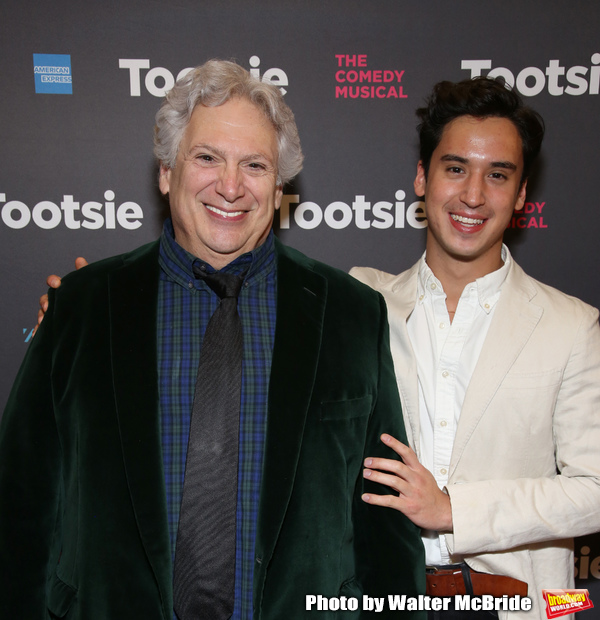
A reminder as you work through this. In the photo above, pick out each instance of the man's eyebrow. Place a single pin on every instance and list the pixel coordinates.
(507, 165)
(452, 157)
(220, 153)
(206, 147)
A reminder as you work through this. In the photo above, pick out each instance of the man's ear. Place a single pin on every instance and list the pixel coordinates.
(278, 196)
(420, 180)
(521, 196)
(164, 179)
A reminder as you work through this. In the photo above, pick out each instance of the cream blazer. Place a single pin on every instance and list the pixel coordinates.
(525, 467)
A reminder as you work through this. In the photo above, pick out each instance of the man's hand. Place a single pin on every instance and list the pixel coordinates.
(54, 281)
(420, 499)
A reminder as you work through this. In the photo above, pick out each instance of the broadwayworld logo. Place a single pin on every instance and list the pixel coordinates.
(563, 602)
(52, 73)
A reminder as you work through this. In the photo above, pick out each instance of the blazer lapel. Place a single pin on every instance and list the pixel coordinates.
(133, 293)
(514, 320)
(301, 298)
(400, 296)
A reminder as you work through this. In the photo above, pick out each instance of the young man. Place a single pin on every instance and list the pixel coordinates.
(499, 375)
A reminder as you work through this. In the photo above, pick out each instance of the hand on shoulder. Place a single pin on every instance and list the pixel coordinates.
(54, 281)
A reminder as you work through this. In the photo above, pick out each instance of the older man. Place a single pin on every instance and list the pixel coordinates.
(499, 374)
(101, 487)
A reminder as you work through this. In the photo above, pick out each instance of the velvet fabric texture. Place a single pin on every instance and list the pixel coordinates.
(83, 526)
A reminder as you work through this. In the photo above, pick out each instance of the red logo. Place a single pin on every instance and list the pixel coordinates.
(562, 602)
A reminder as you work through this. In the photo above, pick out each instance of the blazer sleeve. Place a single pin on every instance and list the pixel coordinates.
(389, 553)
(30, 474)
(500, 514)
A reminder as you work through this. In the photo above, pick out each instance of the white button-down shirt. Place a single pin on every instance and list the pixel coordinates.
(446, 354)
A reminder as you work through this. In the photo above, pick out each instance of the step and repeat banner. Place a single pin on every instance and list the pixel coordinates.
(82, 82)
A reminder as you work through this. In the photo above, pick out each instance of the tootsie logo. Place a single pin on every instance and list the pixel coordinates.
(91, 214)
(556, 78)
(360, 213)
(158, 81)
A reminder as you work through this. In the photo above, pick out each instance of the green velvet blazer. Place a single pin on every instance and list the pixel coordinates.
(83, 520)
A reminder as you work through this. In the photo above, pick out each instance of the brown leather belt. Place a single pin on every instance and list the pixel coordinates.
(460, 579)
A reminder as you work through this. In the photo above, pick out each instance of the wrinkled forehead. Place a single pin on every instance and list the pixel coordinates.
(238, 119)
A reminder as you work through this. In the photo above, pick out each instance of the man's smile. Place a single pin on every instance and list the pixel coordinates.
(226, 214)
(468, 221)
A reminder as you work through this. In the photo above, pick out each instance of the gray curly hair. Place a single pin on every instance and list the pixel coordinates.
(213, 84)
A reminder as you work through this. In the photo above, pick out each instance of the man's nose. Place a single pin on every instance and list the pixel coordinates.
(230, 184)
(473, 194)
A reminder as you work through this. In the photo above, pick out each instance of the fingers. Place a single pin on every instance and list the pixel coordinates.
(388, 501)
(43, 307)
(53, 281)
(405, 452)
(390, 465)
(393, 481)
(399, 473)
(419, 497)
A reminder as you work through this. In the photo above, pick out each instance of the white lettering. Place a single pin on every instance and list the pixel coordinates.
(503, 72)
(308, 207)
(475, 66)
(539, 81)
(415, 215)
(159, 80)
(94, 215)
(397, 602)
(554, 71)
(360, 207)
(109, 209)
(161, 73)
(46, 207)
(595, 75)
(284, 209)
(129, 215)
(184, 72)
(383, 217)
(576, 77)
(462, 602)
(531, 81)
(339, 215)
(7, 213)
(69, 206)
(345, 219)
(274, 76)
(135, 65)
(93, 220)
(334, 603)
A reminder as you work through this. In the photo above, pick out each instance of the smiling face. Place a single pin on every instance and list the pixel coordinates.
(223, 189)
(472, 188)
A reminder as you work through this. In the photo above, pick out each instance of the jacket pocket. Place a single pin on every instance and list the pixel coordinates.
(349, 409)
(60, 597)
